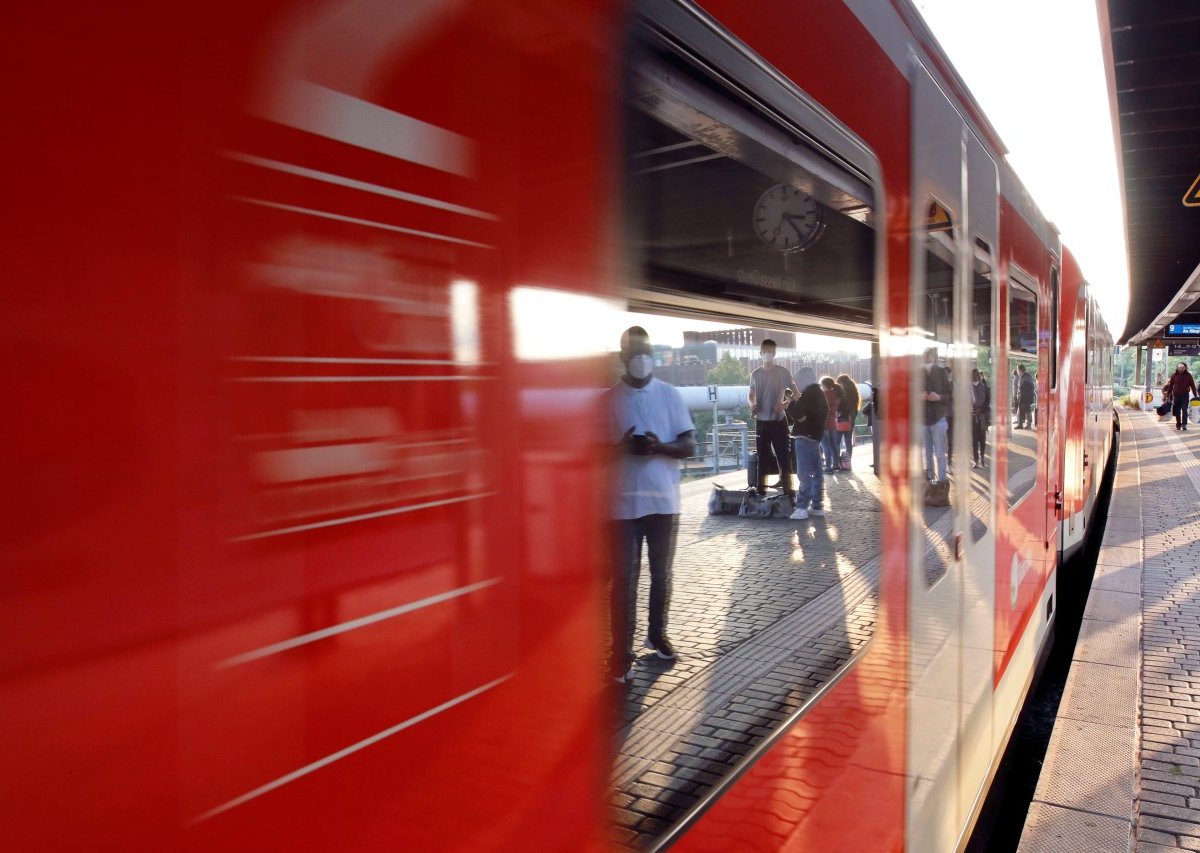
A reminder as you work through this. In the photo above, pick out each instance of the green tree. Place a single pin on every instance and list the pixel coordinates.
(729, 371)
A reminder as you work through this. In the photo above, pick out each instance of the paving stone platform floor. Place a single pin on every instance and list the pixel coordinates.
(1122, 771)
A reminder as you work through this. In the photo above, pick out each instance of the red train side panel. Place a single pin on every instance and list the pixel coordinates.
(280, 571)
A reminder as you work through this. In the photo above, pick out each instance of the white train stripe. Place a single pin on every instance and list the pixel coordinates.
(350, 750)
(333, 522)
(302, 359)
(451, 378)
(337, 217)
(353, 624)
(337, 115)
(377, 189)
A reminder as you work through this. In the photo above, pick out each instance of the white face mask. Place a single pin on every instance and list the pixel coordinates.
(641, 366)
(768, 357)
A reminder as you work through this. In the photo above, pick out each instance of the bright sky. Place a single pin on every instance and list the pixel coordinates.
(1039, 77)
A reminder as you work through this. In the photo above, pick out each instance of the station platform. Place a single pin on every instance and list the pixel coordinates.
(1122, 770)
(763, 613)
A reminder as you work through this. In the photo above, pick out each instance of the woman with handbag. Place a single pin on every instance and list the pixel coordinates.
(832, 440)
(846, 416)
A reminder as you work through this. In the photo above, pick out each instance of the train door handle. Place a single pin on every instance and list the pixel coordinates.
(1086, 462)
(958, 546)
(1058, 501)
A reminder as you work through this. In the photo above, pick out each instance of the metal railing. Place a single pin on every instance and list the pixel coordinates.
(733, 449)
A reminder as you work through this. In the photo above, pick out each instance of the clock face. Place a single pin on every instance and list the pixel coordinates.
(787, 219)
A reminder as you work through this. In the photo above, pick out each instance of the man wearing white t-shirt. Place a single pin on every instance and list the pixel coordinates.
(652, 430)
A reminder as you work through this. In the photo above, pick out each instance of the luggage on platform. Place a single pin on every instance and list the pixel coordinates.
(755, 505)
(725, 501)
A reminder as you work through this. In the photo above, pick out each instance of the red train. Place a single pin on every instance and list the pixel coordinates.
(305, 537)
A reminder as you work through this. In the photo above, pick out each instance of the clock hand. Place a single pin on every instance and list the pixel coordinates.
(787, 217)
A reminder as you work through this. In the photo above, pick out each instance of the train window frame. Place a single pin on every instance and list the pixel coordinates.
(1087, 338)
(1019, 280)
(739, 72)
(745, 150)
(1055, 288)
(740, 76)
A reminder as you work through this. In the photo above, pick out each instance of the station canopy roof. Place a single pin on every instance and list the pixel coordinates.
(1155, 97)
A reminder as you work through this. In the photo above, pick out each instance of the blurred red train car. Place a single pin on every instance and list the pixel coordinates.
(304, 533)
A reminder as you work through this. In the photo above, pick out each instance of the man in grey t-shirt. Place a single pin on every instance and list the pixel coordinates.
(767, 386)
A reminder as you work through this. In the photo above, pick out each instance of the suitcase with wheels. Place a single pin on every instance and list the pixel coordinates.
(752, 469)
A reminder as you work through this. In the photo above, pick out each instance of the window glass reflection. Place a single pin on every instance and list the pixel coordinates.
(935, 390)
(1021, 447)
(982, 390)
(739, 232)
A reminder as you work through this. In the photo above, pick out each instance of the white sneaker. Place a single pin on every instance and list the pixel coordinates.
(799, 514)
(816, 512)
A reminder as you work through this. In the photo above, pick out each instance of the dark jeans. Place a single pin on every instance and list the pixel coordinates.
(658, 532)
(978, 436)
(1023, 416)
(1179, 407)
(847, 441)
(773, 438)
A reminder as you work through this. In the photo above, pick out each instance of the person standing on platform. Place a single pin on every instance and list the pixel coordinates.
(767, 386)
(848, 414)
(981, 408)
(808, 414)
(937, 392)
(831, 440)
(652, 429)
(1183, 388)
(1026, 397)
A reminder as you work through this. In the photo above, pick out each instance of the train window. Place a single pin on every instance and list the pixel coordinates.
(983, 397)
(1087, 313)
(738, 228)
(1054, 288)
(1021, 447)
(936, 389)
(727, 204)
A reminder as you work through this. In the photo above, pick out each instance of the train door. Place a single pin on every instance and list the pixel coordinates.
(978, 372)
(935, 558)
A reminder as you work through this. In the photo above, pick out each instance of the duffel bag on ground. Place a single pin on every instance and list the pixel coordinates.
(725, 501)
(755, 505)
